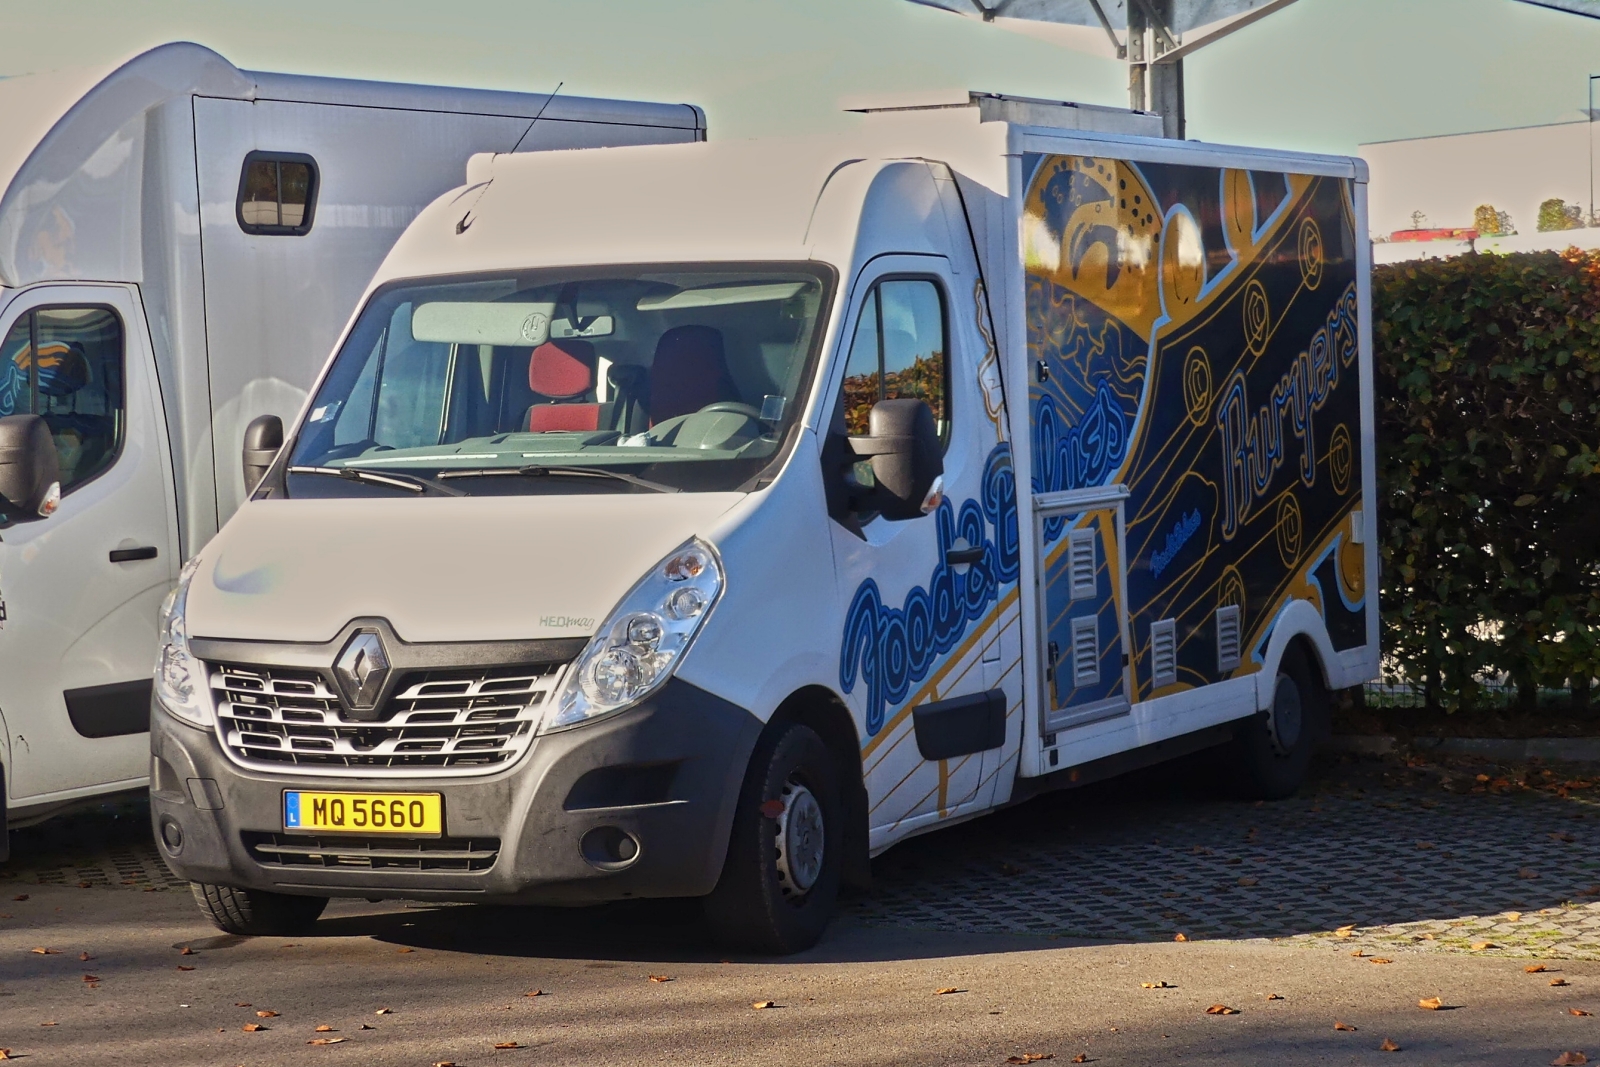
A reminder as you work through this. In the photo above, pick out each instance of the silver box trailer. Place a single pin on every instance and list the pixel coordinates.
(181, 242)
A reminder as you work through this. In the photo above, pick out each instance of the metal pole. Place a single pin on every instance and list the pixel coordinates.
(1590, 114)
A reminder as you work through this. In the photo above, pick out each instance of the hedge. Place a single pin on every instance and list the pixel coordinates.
(1488, 372)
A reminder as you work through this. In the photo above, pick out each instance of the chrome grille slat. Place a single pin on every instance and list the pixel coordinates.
(448, 723)
(431, 854)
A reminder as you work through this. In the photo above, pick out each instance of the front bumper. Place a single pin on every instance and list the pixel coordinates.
(667, 773)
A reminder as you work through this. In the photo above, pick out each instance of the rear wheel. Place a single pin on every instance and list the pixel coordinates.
(780, 882)
(1272, 752)
(255, 912)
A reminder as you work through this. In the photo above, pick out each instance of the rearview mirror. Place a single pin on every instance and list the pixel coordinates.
(30, 470)
(262, 440)
(907, 459)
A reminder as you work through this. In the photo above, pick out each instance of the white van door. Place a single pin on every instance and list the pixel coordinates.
(921, 658)
(80, 590)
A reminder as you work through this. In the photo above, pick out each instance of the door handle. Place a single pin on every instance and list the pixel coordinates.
(131, 555)
(957, 556)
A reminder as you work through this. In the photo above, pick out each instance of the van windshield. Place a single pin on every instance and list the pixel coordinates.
(601, 380)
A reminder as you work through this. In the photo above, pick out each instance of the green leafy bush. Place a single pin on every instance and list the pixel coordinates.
(1488, 374)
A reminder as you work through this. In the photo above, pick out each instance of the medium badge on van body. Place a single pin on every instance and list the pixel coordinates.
(362, 668)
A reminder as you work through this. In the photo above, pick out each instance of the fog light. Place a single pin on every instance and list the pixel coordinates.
(171, 835)
(610, 848)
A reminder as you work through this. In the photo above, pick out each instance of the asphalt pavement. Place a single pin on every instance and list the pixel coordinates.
(1048, 930)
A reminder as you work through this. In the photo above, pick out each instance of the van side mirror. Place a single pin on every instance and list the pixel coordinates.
(30, 470)
(907, 459)
(262, 440)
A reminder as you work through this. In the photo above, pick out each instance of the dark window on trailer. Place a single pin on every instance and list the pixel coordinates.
(65, 363)
(277, 194)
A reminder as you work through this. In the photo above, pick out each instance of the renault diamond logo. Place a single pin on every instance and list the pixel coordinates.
(361, 669)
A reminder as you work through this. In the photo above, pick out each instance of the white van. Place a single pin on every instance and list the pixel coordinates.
(701, 520)
(180, 244)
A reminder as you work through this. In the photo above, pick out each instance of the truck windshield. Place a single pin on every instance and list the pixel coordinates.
(633, 379)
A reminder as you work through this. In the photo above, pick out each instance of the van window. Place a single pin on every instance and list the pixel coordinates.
(693, 378)
(66, 363)
(900, 350)
(277, 194)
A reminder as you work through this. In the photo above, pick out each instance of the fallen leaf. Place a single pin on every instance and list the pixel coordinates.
(408, 948)
(1379, 959)
(762, 1005)
(91, 978)
(660, 977)
(85, 957)
(1339, 1024)
(1180, 937)
(1479, 946)
(182, 967)
(947, 990)
(1569, 1059)
(1578, 1011)
(535, 993)
(506, 1044)
(384, 1011)
(364, 1026)
(1431, 1004)
(20, 896)
(1424, 844)
(1157, 985)
(1248, 881)
(241, 1004)
(445, 1063)
(1033, 1057)
(46, 951)
(1358, 953)
(1535, 968)
(1221, 1009)
(326, 1040)
(186, 951)
(1514, 916)
(83, 885)
(1345, 931)
(1082, 1057)
(52, 1023)
(5, 1054)
(1274, 996)
(1528, 874)
(252, 1028)
(1559, 981)
(1388, 1046)
(325, 1029)
(266, 1015)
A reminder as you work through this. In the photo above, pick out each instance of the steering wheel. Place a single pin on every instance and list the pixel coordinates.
(737, 407)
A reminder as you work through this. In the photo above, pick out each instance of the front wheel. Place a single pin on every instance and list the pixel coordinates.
(255, 912)
(780, 882)
(1272, 751)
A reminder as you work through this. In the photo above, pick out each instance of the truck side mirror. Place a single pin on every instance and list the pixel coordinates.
(262, 440)
(907, 458)
(30, 470)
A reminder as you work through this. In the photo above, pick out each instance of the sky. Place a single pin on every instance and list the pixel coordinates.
(1322, 75)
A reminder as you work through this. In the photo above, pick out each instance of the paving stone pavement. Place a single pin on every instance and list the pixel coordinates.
(1373, 856)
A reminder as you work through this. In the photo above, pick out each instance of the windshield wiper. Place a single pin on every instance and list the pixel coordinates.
(540, 471)
(410, 482)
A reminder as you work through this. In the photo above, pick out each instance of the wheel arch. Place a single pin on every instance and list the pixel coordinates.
(1298, 625)
(823, 711)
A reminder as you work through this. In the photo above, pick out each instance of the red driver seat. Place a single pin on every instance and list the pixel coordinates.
(561, 373)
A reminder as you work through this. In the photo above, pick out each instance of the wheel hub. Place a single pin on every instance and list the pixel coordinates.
(1286, 720)
(800, 840)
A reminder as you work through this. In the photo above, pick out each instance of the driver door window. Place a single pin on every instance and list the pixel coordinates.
(901, 349)
(66, 364)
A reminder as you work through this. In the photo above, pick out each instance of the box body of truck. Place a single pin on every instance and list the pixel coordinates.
(180, 244)
(798, 496)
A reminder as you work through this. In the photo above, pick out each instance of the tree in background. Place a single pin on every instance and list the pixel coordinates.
(1486, 220)
(1557, 214)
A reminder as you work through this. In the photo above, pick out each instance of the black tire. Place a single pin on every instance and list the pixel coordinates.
(1272, 752)
(761, 903)
(255, 912)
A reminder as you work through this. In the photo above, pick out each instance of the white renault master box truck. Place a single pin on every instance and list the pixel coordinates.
(180, 244)
(700, 520)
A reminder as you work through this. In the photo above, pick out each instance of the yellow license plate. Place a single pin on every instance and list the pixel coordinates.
(364, 813)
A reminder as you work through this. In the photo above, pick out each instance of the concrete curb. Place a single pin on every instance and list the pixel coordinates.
(1571, 749)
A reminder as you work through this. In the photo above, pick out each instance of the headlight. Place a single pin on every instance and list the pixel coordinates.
(181, 685)
(640, 644)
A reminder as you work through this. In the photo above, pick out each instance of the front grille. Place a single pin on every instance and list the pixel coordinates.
(373, 853)
(439, 722)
